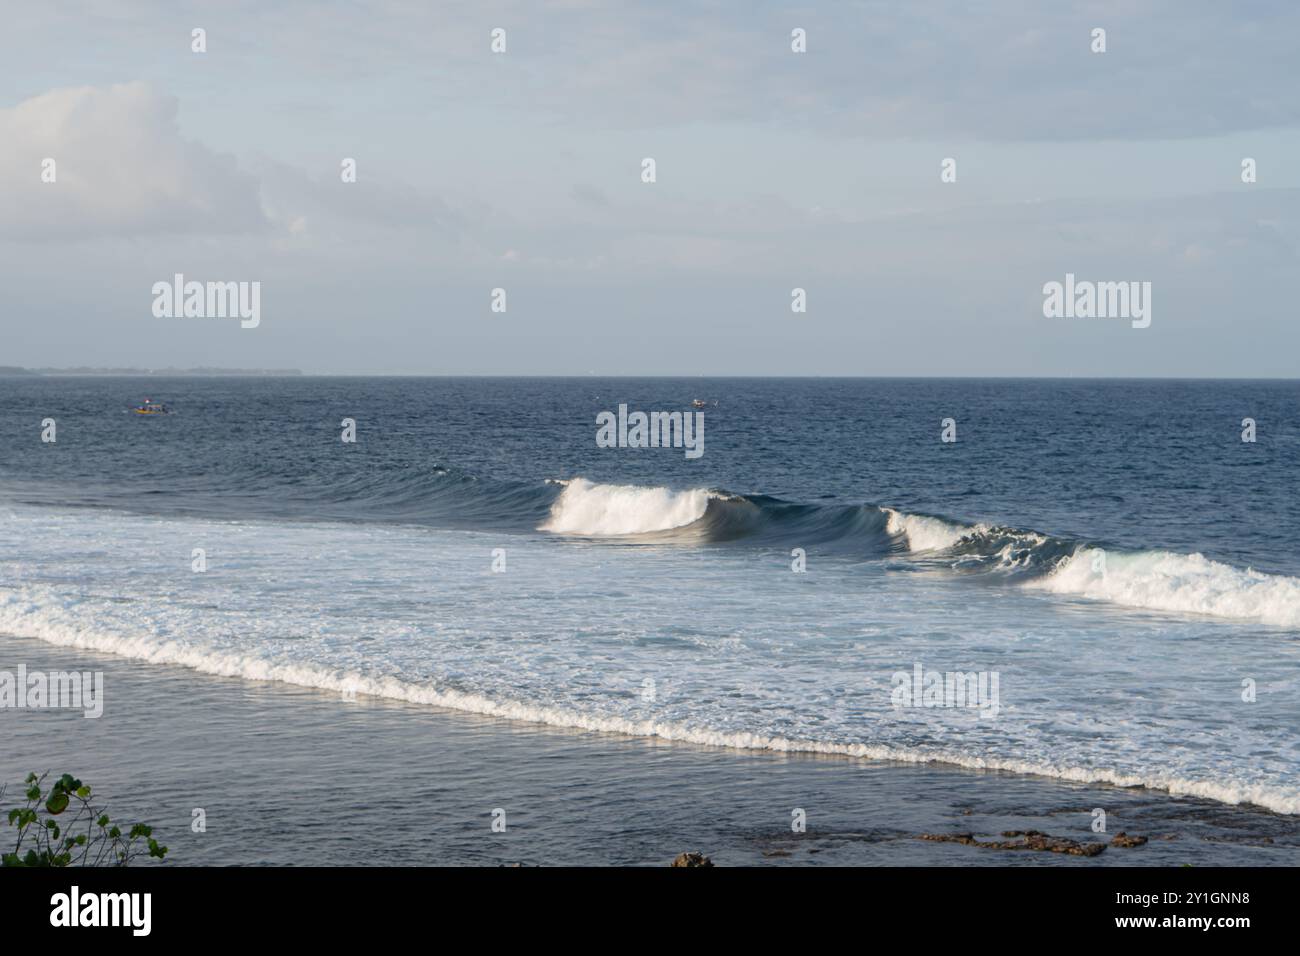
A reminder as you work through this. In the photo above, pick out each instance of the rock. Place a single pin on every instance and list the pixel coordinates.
(1123, 839)
(1030, 840)
(692, 859)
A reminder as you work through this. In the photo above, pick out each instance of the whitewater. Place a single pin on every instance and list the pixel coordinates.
(770, 659)
(1152, 579)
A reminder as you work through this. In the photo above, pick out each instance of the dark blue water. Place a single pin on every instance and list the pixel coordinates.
(1127, 464)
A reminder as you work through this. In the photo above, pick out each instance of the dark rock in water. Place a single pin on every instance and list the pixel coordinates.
(1030, 840)
(1123, 839)
(692, 859)
(1034, 840)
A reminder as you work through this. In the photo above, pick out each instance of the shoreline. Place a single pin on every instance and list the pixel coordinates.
(353, 687)
(294, 775)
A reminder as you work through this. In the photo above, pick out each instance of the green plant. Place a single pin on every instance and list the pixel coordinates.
(73, 832)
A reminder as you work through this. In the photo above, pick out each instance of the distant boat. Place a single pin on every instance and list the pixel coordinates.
(151, 408)
(701, 403)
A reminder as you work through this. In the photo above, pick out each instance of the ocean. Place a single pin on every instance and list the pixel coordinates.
(1096, 585)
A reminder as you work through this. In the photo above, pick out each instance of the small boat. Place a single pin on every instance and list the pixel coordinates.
(699, 403)
(151, 408)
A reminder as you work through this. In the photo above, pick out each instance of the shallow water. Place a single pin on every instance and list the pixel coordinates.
(288, 775)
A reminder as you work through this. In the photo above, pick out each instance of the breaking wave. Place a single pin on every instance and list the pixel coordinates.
(1153, 580)
(1186, 583)
(584, 508)
(442, 496)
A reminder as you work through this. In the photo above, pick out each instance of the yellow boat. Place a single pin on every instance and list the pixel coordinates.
(151, 408)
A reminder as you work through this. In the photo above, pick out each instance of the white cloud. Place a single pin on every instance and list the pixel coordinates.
(318, 202)
(122, 169)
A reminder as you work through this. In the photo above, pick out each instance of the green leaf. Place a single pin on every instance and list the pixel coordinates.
(57, 803)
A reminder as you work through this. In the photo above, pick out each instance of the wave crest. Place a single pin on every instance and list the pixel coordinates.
(1187, 583)
(590, 509)
(924, 533)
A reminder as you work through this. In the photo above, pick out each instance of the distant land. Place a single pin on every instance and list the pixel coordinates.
(86, 370)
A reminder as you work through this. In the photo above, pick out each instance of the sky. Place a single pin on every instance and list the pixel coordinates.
(774, 170)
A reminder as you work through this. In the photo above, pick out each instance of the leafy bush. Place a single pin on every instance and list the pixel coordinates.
(84, 837)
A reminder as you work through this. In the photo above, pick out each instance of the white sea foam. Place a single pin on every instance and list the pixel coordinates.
(924, 533)
(1155, 580)
(437, 628)
(586, 508)
(17, 616)
(1188, 583)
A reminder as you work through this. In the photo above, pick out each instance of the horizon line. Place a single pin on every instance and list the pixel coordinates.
(199, 372)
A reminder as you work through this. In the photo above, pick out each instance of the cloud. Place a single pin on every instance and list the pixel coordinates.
(1008, 71)
(320, 203)
(776, 170)
(589, 195)
(121, 169)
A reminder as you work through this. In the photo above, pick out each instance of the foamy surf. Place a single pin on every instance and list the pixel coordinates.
(1151, 580)
(924, 533)
(590, 509)
(1186, 583)
(55, 626)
